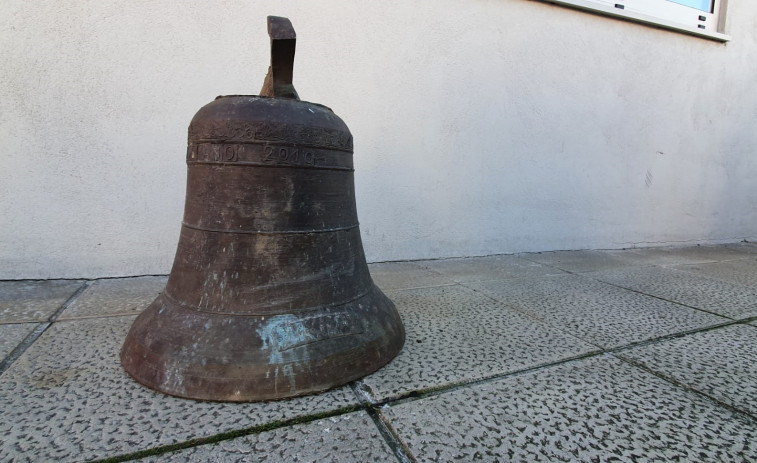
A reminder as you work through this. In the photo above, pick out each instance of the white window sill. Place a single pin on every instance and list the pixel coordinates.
(609, 10)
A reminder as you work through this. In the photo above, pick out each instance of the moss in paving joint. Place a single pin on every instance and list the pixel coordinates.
(437, 390)
(229, 435)
(670, 337)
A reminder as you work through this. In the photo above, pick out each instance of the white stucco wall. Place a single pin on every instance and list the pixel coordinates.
(480, 127)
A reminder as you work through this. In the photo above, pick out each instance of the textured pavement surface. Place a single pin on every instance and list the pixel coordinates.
(569, 356)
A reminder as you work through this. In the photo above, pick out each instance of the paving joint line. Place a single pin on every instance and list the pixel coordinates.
(531, 316)
(730, 320)
(104, 315)
(390, 436)
(436, 272)
(373, 409)
(127, 277)
(252, 430)
(402, 450)
(19, 350)
(387, 431)
(615, 352)
(54, 317)
(11, 358)
(87, 278)
(394, 290)
(583, 274)
(682, 269)
(522, 254)
(435, 391)
(679, 384)
(671, 336)
(9, 280)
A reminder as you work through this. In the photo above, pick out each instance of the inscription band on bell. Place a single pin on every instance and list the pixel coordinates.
(300, 134)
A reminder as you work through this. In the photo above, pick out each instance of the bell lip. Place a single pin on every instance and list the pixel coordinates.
(274, 98)
(391, 344)
(344, 381)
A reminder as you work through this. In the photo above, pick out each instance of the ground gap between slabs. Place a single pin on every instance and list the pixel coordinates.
(37, 332)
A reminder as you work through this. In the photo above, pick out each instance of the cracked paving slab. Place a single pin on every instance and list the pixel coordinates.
(117, 296)
(597, 409)
(719, 363)
(457, 335)
(597, 312)
(723, 298)
(68, 399)
(349, 438)
(34, 300)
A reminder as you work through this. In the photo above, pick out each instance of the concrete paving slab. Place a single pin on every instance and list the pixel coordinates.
(743, 247)
(68, 399)
(723, 298)
(598, 409)
(34, 300)
(488, 268)
(587, 261)
(118, 296)
(456, 335)
(349, 438)
(742, 272)
(693, 254)
(405, 275)
(719, 363)
(12, 335)
(597, 312)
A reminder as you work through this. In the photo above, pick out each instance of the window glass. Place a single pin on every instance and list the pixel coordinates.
(704, 5)
(705, 18)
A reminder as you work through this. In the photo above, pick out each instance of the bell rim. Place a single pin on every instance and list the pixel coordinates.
(340, 369)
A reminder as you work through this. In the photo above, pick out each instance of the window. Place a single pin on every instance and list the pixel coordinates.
(704, 18)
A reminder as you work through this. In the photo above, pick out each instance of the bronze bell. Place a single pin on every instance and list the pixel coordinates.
(269, 295)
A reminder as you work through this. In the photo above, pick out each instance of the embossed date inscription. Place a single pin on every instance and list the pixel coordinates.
(219, 153)
(268, 154)
(290, 155)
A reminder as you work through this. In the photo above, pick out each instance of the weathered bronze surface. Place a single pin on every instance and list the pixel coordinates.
(269, 295)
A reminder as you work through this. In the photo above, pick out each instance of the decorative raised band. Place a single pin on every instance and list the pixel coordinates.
(266, 131)
(272, 232)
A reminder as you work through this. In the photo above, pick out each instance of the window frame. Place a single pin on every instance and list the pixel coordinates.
(669, 15)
